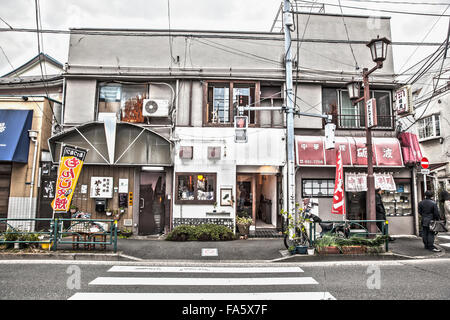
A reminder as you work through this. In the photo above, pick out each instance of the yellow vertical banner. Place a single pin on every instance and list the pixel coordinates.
(72, 159)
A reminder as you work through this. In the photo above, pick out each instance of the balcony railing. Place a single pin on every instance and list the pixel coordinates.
(385, 122)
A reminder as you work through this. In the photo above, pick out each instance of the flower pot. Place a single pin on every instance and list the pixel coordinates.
(311, 251)
(301, 249)
(353, 250)
(243, 229)
(375, 250)
(328, 250)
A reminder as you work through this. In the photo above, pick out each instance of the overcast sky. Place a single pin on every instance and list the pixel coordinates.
(232, 15)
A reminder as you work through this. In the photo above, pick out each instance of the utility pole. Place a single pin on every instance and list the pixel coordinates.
(287, 23)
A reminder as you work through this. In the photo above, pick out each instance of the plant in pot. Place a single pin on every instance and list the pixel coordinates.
(108, 212)
(243, 225)
(327, 245)
(353, 245)
(73, 209)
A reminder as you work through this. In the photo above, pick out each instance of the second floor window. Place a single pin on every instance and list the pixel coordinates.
(124, 100)
(429, 127)
(348, 116)
(223, 99)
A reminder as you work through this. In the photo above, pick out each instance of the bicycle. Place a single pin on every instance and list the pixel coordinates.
(301, 236)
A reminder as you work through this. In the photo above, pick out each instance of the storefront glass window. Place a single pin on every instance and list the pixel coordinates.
(318, 188)
(196, 188)
(398, 203)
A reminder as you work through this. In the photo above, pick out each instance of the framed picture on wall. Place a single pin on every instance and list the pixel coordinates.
(226, 196)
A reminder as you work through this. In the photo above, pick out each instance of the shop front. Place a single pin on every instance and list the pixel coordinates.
(126, 176)
(316, 173)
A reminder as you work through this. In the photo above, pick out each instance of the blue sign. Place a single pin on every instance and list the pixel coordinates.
(14, 139)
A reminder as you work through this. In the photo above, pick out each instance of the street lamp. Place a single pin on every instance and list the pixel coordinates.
(378, 49)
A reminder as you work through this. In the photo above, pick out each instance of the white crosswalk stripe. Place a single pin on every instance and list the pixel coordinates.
(280, 283)
(444, 237)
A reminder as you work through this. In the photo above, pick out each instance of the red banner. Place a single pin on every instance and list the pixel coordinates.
(338, 206)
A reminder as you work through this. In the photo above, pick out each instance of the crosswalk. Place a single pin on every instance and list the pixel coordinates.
(134, 282)
(444, 240)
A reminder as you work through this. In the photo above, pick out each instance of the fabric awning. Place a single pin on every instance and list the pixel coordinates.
(410, 148)
(14, 139)
(311, 152)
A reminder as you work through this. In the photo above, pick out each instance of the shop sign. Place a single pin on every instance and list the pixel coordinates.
(101, 187)
(338, 206)
(384, 181)
(403, 100)
(371, 113)
(355, 182)
(72, 159)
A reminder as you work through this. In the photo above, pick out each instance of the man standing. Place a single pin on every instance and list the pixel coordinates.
(428, 209)
(380, 211)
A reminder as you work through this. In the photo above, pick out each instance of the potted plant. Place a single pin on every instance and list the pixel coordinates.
(352, 245)
(125, 233)
(292, 249)
(243, 225)
(73, 209)
(108, 212)
(327, 245)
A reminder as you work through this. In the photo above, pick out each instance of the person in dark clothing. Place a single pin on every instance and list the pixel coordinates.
(428, 209)
(380, 211)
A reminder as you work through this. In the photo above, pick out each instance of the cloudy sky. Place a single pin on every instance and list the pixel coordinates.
(231, 15)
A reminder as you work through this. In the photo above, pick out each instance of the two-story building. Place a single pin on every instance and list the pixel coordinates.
(156, 110)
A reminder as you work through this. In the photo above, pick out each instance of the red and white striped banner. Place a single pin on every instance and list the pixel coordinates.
(338, 197)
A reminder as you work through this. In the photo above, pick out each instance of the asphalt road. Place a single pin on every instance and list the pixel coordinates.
(388, 280)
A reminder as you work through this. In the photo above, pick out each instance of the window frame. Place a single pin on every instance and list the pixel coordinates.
(360, 107)
(304, 195)
(434, 135)
(231, 84)
(210, 175)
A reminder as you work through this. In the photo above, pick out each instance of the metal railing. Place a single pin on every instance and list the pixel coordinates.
(352, 121)
(87, 232)
(357, 226)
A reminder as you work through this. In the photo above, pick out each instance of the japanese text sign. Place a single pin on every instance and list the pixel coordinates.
(70, 165)
(338, 206)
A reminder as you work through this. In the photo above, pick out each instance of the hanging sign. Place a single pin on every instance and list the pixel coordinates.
(371, 113)
(403, 100)
(384, 181)
(355, 182)
(72, 159)
(338, 206)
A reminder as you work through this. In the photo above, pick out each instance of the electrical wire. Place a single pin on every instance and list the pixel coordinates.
(401, 2)
(383, 10)
(348, 37)
(429, 31)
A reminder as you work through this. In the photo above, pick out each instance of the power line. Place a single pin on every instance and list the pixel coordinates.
(233, 35)
(401, 2)
(429, 31)
(348, 37)
(382, 10)
(6, 23)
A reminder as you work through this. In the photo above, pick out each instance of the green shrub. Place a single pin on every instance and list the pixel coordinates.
(203, 232)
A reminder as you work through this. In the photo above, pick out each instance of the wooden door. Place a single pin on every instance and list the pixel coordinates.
(5, 181)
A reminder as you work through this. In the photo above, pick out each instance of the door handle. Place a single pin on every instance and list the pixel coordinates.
(143, 203)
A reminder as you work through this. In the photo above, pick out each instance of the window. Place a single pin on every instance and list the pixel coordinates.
(317, 188)
(196, 188)
(223, 99)
(429, 127)
(353, 117)
(123, 100)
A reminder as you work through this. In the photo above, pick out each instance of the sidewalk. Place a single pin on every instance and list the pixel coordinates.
(410, 247)
(257, 250)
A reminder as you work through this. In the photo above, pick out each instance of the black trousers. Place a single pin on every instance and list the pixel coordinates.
(427, 237)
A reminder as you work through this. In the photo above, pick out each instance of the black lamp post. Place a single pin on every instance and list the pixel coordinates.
(378, 49)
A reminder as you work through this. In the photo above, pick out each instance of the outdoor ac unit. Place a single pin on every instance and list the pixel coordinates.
(155, 108)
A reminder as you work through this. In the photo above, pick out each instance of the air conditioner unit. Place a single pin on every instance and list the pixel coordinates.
(155, 108)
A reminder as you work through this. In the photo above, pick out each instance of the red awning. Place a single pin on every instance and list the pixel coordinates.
(311, 151)
(410, 148)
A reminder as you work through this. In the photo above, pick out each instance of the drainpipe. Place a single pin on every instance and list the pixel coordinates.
(33, 134)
